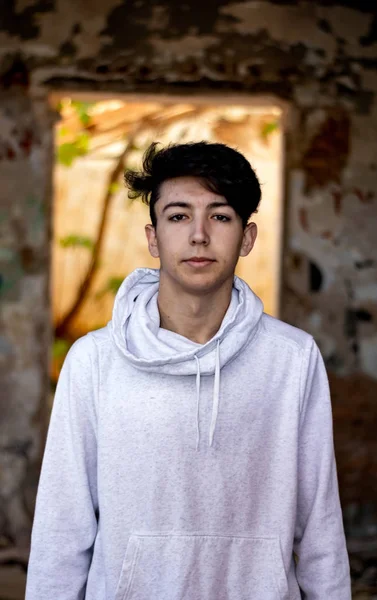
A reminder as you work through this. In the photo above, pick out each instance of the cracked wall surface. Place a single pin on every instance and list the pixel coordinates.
(25, 194)
(319, 59)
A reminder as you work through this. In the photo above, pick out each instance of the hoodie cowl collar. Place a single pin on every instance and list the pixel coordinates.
(135, 328)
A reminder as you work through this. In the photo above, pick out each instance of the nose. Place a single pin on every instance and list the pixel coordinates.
(199, 233)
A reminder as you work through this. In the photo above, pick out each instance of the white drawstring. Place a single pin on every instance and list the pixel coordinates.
(216, 398)
(216, 395)
(197, 401)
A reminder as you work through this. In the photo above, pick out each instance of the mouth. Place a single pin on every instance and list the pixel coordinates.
(199, 261)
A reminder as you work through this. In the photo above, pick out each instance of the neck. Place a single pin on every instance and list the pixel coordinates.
(196, 317)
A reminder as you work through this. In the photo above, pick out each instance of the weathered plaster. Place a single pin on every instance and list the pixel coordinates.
(255, 17)
(25, 192)
(248, 43)
(190, 45)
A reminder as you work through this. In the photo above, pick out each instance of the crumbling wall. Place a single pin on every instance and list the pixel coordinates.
(318, 58)
(25, 193)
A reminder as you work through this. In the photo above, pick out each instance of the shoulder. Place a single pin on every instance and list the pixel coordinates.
(99, 336)
(282, 334)
(85, 348)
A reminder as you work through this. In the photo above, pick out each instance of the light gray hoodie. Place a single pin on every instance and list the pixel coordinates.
(180, 471)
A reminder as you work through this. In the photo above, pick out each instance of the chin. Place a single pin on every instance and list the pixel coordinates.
(201, 284)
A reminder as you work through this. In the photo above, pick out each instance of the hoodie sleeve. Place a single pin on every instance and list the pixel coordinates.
(65, 522)
(323, 568)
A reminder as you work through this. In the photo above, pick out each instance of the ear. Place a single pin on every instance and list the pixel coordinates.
(150, 232)
(248, 240)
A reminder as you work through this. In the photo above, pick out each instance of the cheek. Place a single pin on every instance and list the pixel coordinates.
(170, 246)
(228, 244)
(171, 239)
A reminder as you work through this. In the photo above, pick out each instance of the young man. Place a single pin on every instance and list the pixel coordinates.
(190, 451)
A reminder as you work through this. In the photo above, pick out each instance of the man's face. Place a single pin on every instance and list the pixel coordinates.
(198, 237)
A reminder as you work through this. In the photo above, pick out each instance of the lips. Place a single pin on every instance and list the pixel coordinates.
(199, 261)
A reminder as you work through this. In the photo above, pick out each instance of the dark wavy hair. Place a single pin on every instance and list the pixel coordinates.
(223, 170)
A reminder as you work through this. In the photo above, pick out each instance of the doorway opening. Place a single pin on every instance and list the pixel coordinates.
(99, 233)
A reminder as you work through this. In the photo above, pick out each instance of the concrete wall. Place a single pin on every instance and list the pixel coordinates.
(320, 59)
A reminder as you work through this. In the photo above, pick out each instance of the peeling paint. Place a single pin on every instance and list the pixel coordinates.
(188, 46)
(327, 154)
(253, 17)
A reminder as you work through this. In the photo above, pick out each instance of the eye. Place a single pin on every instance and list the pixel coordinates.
(222, 218)
(178, 217)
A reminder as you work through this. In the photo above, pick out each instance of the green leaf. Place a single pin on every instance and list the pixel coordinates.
(269, 128)
(112, 285)
(69, 151)
(83, 142)
(82, 109)
(76, 241)
(85, 119)
(60, 347)
(64, 131)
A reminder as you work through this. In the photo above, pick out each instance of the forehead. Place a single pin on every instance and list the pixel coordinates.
(190, 189)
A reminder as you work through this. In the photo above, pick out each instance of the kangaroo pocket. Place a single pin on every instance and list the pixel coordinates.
(202, 567)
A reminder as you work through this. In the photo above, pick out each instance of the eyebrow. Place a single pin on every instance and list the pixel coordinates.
(188, 205)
